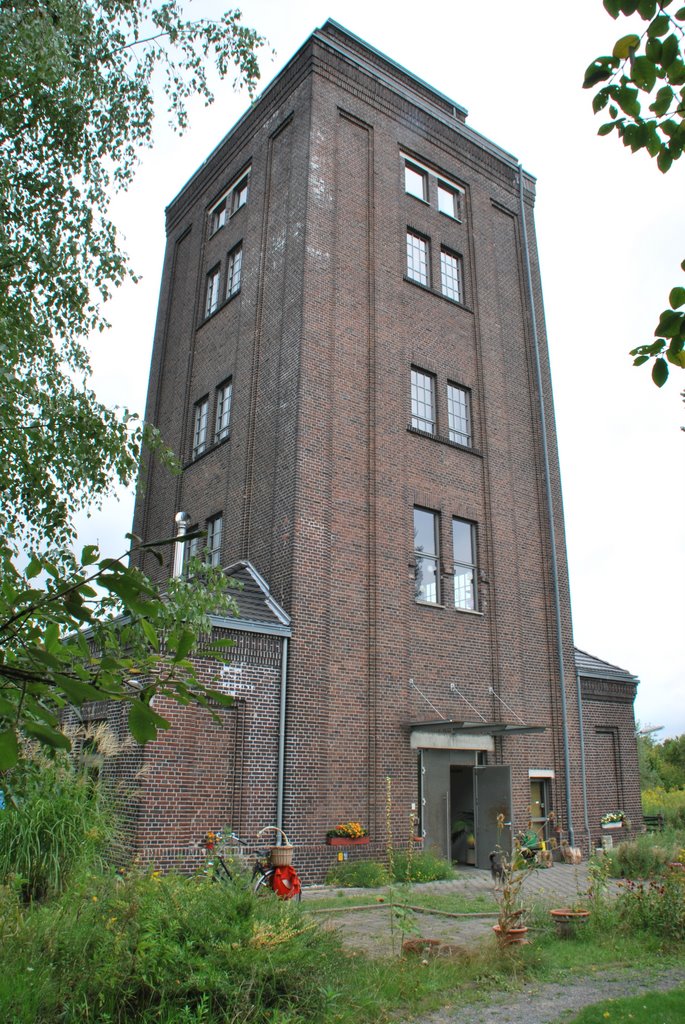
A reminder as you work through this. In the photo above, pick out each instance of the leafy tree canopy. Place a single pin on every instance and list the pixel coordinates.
(642, 87)
(76, 105)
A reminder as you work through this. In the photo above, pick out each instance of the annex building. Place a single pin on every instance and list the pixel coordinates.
(350, 358)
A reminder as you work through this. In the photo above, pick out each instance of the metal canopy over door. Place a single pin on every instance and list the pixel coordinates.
(492, 797)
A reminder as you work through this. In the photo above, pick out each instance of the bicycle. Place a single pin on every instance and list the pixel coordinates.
(272, 869)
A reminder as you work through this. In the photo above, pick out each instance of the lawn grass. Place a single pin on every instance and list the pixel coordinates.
(653, 1008)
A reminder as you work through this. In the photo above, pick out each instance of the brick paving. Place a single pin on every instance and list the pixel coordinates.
(371, 930)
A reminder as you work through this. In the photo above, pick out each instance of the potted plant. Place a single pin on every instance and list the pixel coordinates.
(613, 819)
(510, 929)
(568, 919)
(348, 833)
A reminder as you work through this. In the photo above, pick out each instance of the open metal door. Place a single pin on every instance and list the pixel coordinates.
(436, 801)
(492, 797)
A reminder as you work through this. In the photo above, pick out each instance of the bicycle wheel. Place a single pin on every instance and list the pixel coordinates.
(262, 885)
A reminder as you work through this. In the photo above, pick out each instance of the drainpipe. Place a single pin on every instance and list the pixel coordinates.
(582, 763)
(181, 520)
(281, 739)
(550, 510)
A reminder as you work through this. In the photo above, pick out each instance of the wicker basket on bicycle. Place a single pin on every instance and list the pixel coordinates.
(281, 856)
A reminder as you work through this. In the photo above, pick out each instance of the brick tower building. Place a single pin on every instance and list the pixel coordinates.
(350, 359)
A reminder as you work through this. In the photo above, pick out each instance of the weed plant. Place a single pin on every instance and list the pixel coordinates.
(56, 821)
(656, 906)
(647, 856)
(370, 874)
(165, 948)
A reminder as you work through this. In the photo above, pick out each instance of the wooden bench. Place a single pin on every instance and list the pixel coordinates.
(654, 822)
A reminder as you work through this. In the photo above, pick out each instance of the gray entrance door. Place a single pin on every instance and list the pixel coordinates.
(436, 795)
(492, 797)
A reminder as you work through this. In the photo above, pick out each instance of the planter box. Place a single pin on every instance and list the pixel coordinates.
(612, 824)
(345, 841)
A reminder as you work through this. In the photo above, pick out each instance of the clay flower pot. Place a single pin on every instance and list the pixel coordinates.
(512, 936)
(568, 920)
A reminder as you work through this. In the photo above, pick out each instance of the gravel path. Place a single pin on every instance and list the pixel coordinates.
(555, 1003)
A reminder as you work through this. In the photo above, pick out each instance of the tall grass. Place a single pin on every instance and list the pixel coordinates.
(670, 803)
(55, 822)
(165, 948)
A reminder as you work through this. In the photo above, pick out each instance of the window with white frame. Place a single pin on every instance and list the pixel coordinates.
(239, 192)
(465, 567)
(451, 275)
(415, 181)
(200, 426)
(224, 395)
(423, 401)
(193, 547)
(426, 555)
(449, 200)
(213, 282)
(459, 414)
(234, 272)
(230, 202)
(213, 547)
(417, 258)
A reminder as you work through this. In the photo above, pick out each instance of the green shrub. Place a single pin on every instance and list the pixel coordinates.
(657, 907)
(421, 867)
(165, 948)
(643, 857)
(358, 874)
(670, 803)
(55, 822)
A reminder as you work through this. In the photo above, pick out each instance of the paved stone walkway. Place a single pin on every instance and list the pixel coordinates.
(371, 930)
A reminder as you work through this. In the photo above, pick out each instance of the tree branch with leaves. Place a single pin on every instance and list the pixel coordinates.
(648, 69)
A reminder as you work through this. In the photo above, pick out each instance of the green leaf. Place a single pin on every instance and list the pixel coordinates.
(639, 360)
(670, 50)
(47, 736)
(680, 14)
(34, 568)
(660, 372)
(90, 554)
(51, 639)
(669, 324)
(677, 297)
(600, 100)
(600, 69)
(144, 722)
(624, 45)
(660, 26)
(644, 73)
(627, 100)
(663, 100)
(9, 749)
(646, 9)
(664, 161)
(613, 7)
(182, 644)
(677, 357)
(604, 129)
(150, 633)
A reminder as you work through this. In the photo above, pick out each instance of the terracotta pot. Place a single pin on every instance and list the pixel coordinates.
(567, 920)
(345, 841)
(512, 936)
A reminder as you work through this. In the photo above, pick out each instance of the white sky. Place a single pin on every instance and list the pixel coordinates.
(611, 237)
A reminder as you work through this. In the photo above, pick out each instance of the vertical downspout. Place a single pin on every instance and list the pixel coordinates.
(550, 511)
(181, 520)
(280, 784)
(582, 762)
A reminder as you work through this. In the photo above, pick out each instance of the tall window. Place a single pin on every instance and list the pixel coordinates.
(223, 410)
(417, 258)
(422, 401)
(426, 554)
(200, 426)
(230, 203)
(214, 530)
(415, 181)
(235, 264)
(212, 300)
(239, 192)
(451, 275)
(464, 547)
(459, 414)
(449, 200)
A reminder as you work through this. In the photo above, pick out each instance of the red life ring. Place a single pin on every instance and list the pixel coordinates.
(286, 882)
